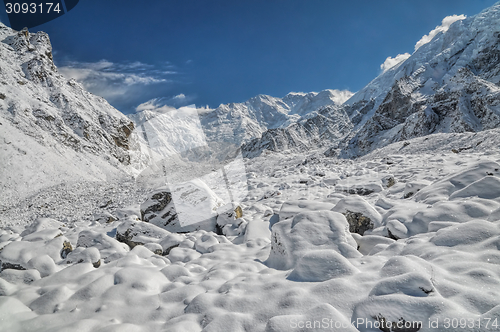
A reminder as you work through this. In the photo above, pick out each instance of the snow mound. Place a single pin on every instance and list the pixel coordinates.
(468, 233)
(444, 188)
(321, 265)
(292, 238)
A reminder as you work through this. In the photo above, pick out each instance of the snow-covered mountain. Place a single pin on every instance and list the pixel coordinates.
(449, 85)
(51, 129)
(241, 122)
(236, 124)
(322, 128)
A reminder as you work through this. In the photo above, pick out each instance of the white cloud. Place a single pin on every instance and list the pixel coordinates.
(391, 62)
(163, 105)
(156, 105)
(113, 80)
(445, 24)
(179, 97)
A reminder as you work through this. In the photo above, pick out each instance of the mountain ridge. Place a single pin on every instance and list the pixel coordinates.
(52, 130)
(448, 85)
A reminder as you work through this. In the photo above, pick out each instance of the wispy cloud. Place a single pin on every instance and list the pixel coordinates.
(112, 80)
(445, 25)
(391, 62)
(165, 104)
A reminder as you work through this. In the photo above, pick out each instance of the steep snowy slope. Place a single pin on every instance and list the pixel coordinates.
(450, 84)
(51, 129)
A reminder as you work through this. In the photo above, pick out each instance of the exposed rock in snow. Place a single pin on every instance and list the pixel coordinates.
(135, 233)
(360, 215)
(184, 207)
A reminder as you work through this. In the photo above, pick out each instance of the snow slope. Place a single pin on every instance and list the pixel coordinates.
(52, 130)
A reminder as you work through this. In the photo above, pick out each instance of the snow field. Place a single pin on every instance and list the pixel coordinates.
(442, 261)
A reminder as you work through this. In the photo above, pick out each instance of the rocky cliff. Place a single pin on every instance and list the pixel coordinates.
(51, 129)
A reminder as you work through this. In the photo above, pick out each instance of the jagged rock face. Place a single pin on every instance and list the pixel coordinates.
(43, 117)
(466, 103)
(155, 205)
(450, 85)
(327, 127)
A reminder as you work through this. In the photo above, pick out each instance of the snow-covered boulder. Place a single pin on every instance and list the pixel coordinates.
(20, 277)
(43, 264)
(396, 229)
(321, 265)
(230, 221)
(41, 224)
(106, 245)
(412, 187)
(323, 317)
(468, 233)
(293, 238)
(487, 188)
(43, 235)
(104, 217)
(365, 184)
(204, 243)
(290, 209)
(135, 233)
(171, 241)
(360, 215)
(459, 211)
(84, 255)
(371, 244)
(443, 189)
(155, 248)
(228, 214)
(17, 254)
(238, 228)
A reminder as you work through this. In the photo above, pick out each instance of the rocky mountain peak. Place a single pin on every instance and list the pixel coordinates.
(43, 114)
(449, 85)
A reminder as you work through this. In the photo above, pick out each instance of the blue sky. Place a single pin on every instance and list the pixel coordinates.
(208, 52)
